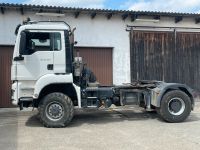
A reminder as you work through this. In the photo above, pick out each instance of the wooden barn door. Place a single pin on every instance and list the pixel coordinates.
(166, 56)
(151, 53)
(187, 59)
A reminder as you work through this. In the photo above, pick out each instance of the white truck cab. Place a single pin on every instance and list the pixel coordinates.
(47, 75)
(46, 59)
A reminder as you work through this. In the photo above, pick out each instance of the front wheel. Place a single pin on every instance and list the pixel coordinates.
(56, 110)
(175, 106)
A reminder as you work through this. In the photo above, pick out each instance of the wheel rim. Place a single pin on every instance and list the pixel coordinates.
(176, 106)
(54, 111)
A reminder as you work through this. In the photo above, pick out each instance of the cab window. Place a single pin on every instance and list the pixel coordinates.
(42, 41)
(57, 41)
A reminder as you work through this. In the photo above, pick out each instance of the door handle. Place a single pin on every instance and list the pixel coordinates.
(50, 67)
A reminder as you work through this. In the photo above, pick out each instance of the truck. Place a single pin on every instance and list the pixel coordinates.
(47, 74)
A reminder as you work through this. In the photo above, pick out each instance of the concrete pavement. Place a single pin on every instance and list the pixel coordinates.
(113, 129)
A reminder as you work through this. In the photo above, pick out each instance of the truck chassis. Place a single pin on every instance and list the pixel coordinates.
(173, 102)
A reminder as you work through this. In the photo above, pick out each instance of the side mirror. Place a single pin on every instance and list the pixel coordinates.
(22, 45)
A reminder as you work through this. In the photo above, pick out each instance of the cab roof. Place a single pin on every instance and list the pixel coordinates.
(46, 25)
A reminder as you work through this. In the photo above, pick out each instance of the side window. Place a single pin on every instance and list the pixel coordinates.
(40, 41)
(57, 41)
(37, 41)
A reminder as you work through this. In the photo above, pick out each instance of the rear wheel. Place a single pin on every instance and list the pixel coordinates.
(56, 110)
(175, 106)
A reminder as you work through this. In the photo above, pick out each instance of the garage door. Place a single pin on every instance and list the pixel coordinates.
(99, 60)
(166, 56)
(5, 75)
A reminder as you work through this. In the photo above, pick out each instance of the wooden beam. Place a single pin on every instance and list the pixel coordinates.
(93, 15)
(133, 17)
(124, 16)
(22, 10)
(109, 15)
(178, 19)
(2, 10)
(76, 14)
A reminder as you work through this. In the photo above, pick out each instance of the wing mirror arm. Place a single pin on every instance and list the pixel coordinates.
(22, 47)
(18, 58)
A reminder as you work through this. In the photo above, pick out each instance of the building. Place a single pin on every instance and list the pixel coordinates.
(119, 46)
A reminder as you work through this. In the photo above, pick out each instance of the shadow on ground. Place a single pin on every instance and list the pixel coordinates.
(108, 116)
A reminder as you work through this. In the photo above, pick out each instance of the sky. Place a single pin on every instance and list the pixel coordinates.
(186, 6)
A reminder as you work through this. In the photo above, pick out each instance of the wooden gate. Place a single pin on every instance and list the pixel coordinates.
(166, 56)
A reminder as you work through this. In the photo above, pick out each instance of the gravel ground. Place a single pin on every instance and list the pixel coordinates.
(112, 129)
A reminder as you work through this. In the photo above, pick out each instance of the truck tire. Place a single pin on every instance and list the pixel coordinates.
(56, 110)
(175, 106)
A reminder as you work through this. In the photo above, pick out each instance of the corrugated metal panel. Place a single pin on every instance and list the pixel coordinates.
(99, 60)
(166, 56)
(5, 75)
(49, 8)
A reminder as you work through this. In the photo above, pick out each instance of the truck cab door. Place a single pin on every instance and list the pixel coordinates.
(37, 57)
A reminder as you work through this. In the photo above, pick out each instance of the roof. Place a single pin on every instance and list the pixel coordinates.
(77, 11)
